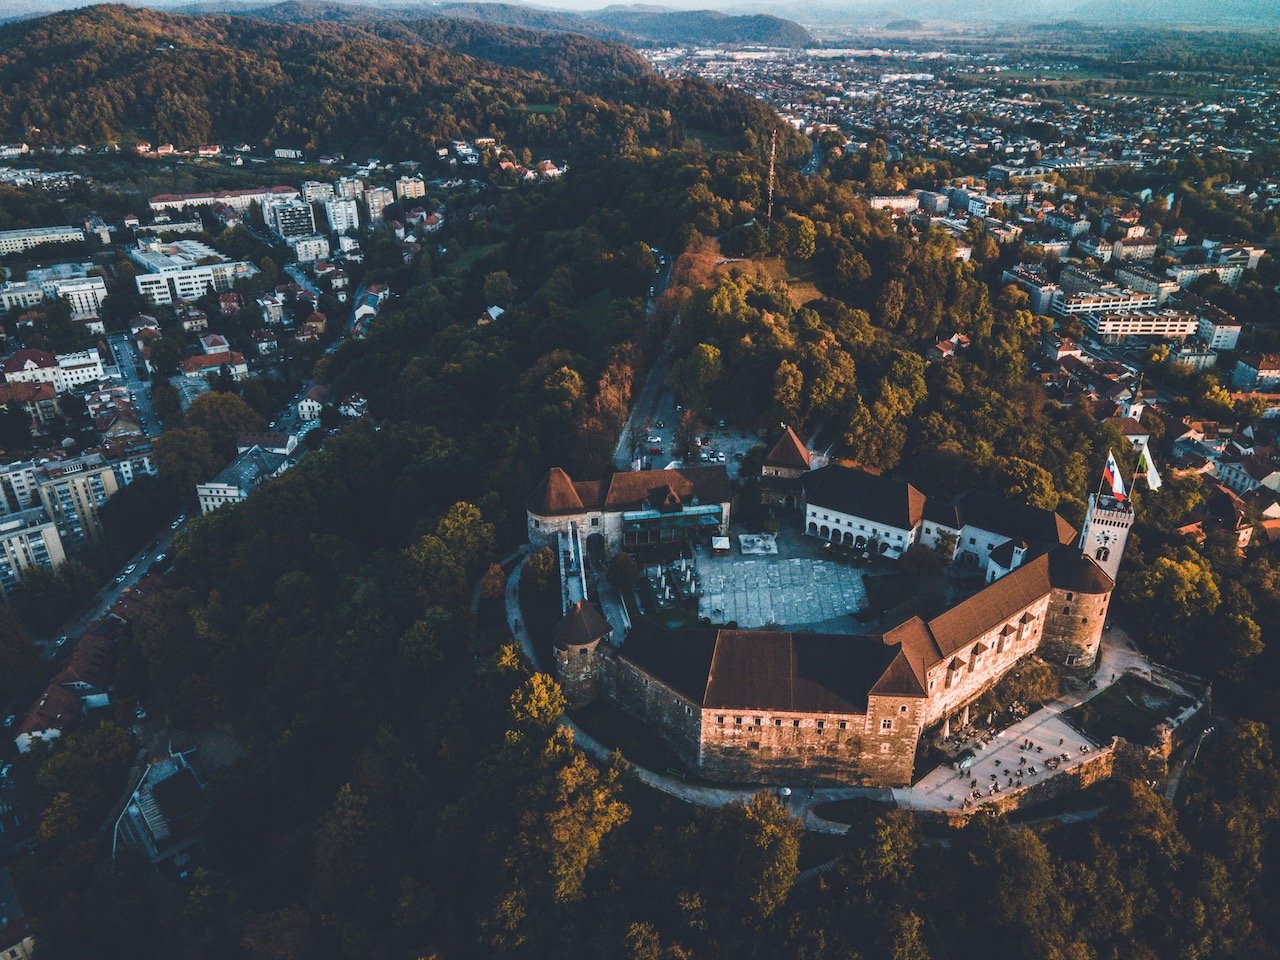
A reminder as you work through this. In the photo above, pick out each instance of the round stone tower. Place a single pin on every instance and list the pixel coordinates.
(1078, 602)
(578, 657)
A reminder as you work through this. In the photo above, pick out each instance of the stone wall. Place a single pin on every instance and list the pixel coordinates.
(1073, 628)
(949, 690)
(889, 745)
(766, 747)
(1097, 766)
(672, 717)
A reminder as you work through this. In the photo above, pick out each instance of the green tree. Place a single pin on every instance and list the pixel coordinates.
(185, 457)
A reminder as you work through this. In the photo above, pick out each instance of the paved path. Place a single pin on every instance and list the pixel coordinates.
(998, 763)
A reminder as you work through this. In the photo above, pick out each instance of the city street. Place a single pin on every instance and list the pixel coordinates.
(124, 354)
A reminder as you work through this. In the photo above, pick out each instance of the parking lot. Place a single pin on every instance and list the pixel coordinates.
(799, 586)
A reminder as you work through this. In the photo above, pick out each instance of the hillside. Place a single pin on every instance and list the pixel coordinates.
(637, 24)
(113, 72)
(702, 26)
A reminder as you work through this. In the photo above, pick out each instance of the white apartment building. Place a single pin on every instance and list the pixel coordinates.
(65, 371)
(17, 241)
(310, 248)
(1114, 326)
(895, 205)
(1219, 333)
(174, 271)
(84, 295)
(1100, 301)
(314, 191)
(1145, 281)
(342, 214)
(238, 200)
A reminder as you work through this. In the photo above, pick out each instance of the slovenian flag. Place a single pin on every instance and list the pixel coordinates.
(1111, 478)
(1147, 467)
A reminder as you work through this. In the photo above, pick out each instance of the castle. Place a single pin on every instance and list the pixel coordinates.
(771, 706)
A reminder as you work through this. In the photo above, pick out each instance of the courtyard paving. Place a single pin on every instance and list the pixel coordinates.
(787, 591)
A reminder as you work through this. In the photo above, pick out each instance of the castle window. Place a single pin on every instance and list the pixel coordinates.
(688, 711)
(931, 683)
(884, 748)
(821, 724)
(902, 708)
(1102, 555)
(1071, 659)
(1066, 609)
(753, 744)
(595, 521)
(777, 722)
(720, 720)
(1084, 619)
(795, 723)
(1070, 595)
(886, 724)
(738, 721)
(756, 721)
(973, 539)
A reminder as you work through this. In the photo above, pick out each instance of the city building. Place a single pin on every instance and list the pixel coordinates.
(209, 364)
(238, 200)
(293, 218)
(1114, 326)
(1145, 280)
(16, 941)
(342, 214)
(160, 817)
(1034, 280)
(65, 371)
(376, 200)
(249, 470)
(19, 241)
(72, 492)
(632, 508)
(310, 248)
(410, 188)
(28, 538)
(180, 270)
(315, 191)
(1258, 372)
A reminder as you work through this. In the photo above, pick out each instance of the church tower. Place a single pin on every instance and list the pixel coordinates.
(1106, 530)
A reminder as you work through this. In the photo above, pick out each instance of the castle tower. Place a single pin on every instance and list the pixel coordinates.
(1106, 531)
(578, 657)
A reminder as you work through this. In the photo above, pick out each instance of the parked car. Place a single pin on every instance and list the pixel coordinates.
(10, 720)
(720, 458)
(655, 450)
(130, 568)
(59, 641)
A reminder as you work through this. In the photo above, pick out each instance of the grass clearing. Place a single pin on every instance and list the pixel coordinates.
(1131, 708)
(471, 257)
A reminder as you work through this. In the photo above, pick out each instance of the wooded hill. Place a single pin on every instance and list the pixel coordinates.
(119, 73)
(631, 24)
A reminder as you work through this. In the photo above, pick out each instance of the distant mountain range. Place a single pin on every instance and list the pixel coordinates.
(755, 22)
(636, 24)
(1118, 13)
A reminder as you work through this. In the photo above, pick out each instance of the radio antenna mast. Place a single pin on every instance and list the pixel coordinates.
(773, 152)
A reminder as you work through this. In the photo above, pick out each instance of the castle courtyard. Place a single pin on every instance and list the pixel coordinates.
(800, 585)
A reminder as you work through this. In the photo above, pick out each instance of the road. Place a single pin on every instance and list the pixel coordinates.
(655, 402)
(299, 276)
(127, 360)
(814, 165)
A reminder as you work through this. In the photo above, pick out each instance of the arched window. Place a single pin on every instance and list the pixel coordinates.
(1103, 554)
